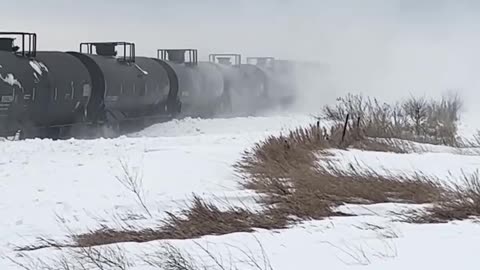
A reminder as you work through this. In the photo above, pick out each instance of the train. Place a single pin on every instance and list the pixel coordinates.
(105, 89)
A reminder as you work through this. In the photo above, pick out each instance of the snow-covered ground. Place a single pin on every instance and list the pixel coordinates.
(48, 186)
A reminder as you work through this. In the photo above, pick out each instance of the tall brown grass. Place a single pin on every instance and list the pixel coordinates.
(286, 171)
(199, 219)
(459, 201)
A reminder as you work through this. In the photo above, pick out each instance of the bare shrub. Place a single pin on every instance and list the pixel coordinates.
(417, 119)
(132, 180)
(416, 111)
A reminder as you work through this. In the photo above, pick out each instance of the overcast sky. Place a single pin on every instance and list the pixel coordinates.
(243, 25)
(381, 46)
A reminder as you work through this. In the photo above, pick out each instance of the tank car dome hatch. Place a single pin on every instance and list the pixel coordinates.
(28, 42)
(6, 44)
(106, 49)
(177, 56)
(109, 49)
(264, 61)
(226, 58)
(225, 61)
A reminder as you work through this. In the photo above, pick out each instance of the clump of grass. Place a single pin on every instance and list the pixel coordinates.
(286, 171)
(277, 155)
(203, 218)
(199, 219)
(460, 201)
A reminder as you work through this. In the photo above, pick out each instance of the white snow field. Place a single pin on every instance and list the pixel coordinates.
(49, 187)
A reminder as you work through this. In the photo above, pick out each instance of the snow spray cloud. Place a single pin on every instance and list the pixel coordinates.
(387, 49)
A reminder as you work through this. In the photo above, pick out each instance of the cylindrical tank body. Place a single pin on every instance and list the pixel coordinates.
(200, 88)
(280, 83)
(260, 87)
(283, 83)
(24, 87)
(212, 85)
(69, 88)
(231, 100)
(249, 88)
(125, 89)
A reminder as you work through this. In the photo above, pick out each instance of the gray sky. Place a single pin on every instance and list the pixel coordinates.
(258, 26)
(384, 47)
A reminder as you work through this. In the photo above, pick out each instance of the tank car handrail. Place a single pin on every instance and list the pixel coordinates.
(32, 42)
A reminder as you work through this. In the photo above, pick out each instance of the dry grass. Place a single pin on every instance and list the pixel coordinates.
(91, 258)
(166, 257)
(277, 155)
(199, 219)
(286, 172)
(169, 257)
(459, 201)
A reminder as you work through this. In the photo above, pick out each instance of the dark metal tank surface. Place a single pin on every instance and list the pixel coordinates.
(249, 90)
(126, 89)
(210, 98)
(266, 84)
(230, 99)
(24, 89)
(200, 88)
(246, 85)
(280, 83)
(283, 86)
(69, 88)
(201, 85)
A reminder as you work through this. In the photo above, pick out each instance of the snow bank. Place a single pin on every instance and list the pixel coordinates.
(248, 126)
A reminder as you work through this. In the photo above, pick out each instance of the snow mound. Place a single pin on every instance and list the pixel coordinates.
(234, 126)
